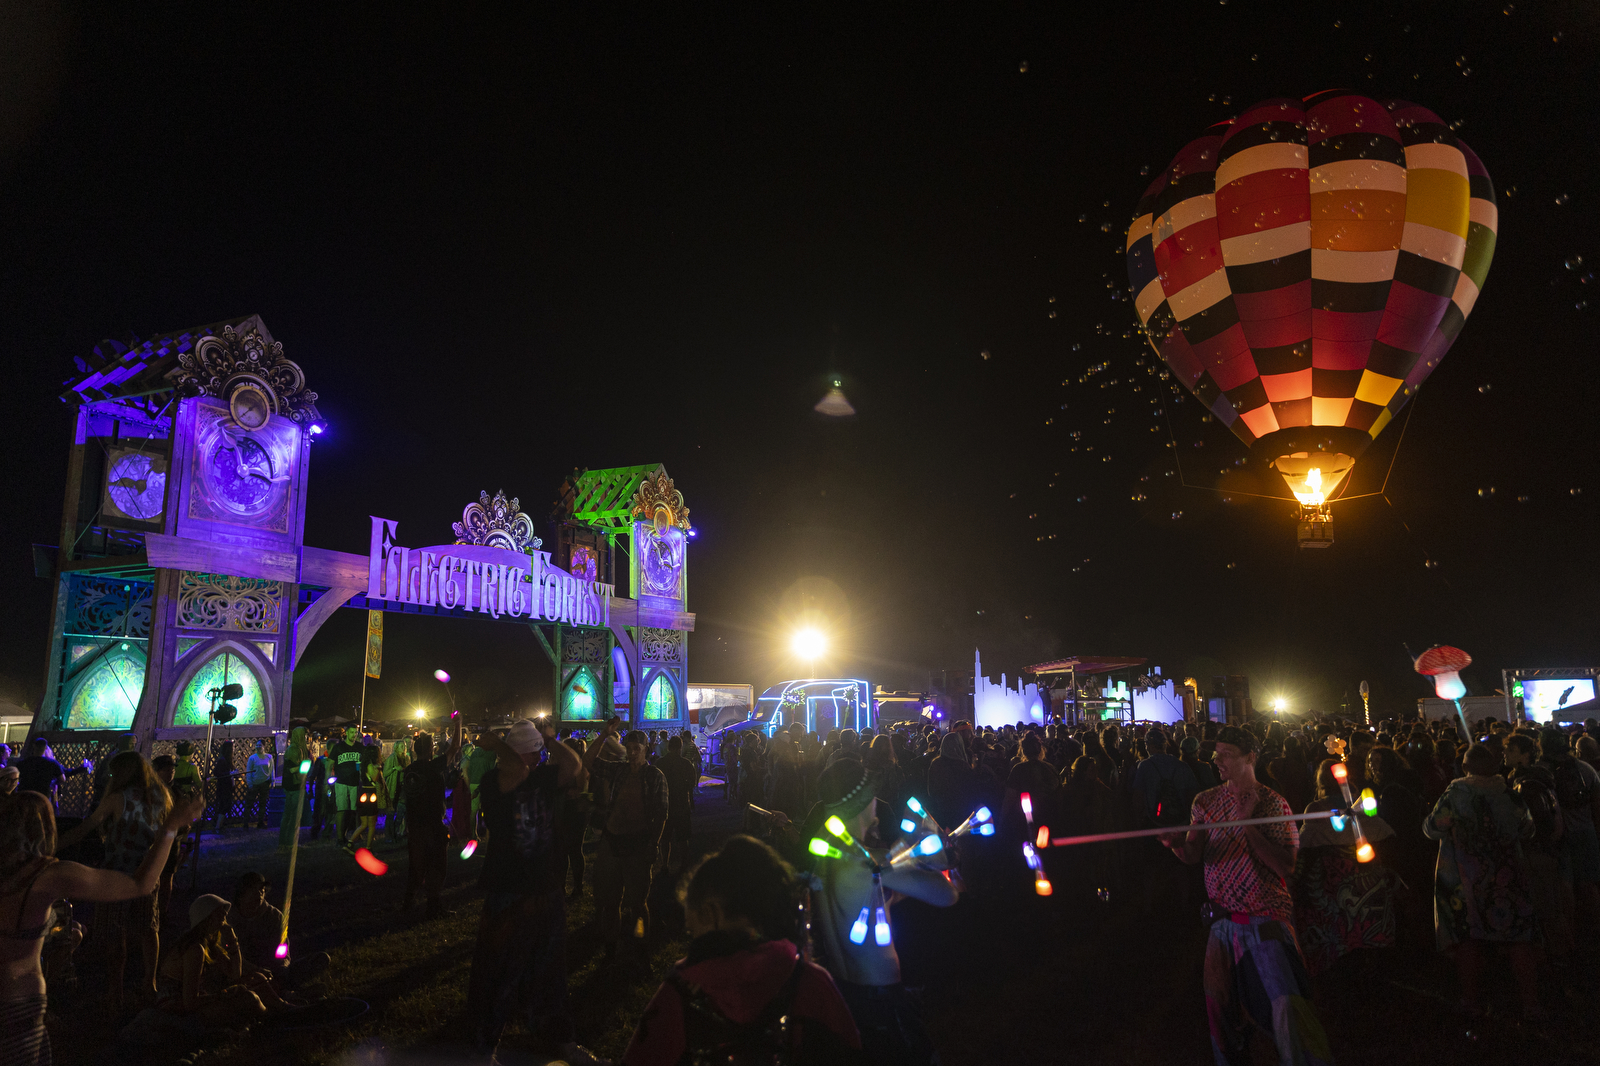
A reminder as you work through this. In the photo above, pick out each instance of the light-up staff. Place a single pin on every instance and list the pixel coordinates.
(294, 853)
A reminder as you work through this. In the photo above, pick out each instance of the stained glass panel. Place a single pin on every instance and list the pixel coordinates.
(193, 707)
(109, 695)
(661, 703)
(582, 700)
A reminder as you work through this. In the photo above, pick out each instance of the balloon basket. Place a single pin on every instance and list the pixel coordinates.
(1315, 526)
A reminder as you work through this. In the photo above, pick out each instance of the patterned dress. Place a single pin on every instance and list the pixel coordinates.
(1481, 889)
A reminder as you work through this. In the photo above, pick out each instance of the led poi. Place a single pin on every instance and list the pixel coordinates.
(371, 863)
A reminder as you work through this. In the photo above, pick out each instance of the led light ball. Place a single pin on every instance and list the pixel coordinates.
(305, 766)
(1369, 802)
(1043, 839)
(283, 950)
(1042, 885)
(931, 845)
(986, 829)
(1364, 852)
(441, 677)
(1338, 823)
(907, 825)
(822, 849)
(835, 825)
(982, 814)
(1341, 773)
(472, 846)
(916, 808)
(371, 863)
(880, 929)
(1027, 807)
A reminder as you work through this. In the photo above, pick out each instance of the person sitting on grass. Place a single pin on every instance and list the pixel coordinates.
(205, 976)
(260, 929)
(31, 880)
(743, 993)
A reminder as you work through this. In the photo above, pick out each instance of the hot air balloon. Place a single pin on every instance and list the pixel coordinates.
(1304, 267)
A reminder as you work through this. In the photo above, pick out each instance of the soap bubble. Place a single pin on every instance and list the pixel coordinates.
(1022, 67)
(1563, 199)
(1574, 262)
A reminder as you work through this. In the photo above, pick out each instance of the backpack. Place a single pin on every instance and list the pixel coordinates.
(710, 1037)
(1571, 789)
(1533, 789)
(1172, 806)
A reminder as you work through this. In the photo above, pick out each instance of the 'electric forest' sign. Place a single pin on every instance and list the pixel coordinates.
(493, 581)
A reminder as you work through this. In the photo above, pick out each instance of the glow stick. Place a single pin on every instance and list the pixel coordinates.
(916, 808)
(835, 825)
(880, 929)
(1043, 840)
(472, 846)
(1131, 834)
(907, 825)
(1027, 807)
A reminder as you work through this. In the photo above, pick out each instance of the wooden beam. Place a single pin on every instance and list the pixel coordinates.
(311, 619)
(543, 642)
(319, 566)
(209, 557)
(103, 563)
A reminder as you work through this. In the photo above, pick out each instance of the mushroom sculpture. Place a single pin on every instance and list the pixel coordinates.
(1444, 664)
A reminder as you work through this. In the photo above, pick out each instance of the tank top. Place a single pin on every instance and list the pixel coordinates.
(132, 832)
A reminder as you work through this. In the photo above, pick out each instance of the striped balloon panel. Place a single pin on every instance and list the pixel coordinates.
(1309, 262)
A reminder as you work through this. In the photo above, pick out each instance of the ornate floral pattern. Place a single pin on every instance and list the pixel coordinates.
(220, 601)
(661, 645)
(584, 646)
(496, 522)
(658, 500)
(221, 363)
(108, 607)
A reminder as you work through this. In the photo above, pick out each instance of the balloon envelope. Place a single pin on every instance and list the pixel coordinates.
(1303, 267)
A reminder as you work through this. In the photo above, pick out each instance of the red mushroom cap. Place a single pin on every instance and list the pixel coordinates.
(1441, 659)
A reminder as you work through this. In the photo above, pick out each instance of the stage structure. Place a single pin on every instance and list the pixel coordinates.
(185, 596)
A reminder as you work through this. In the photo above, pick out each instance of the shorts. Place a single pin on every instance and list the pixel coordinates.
(346, 797)
(134, 915)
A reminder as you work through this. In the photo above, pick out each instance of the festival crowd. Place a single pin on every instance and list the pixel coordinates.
(1486, 850)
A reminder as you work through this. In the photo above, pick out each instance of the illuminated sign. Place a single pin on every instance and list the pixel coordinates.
(492, 581)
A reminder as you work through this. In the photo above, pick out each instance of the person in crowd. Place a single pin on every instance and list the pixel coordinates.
(257, 785)
(1578, 790)
(1163, 786)
(1253, 966)
(743, 993)
(1292, 773)
(519, 964)
(259, 927)
(322, 778)
(1340, 903)
(205, 975)
(133, 811)
(9, 776)
(681, 779)
(571, 824)
(31, 880)
(1409, 853)
(425, 786)
(294, 788)
(348, 757)
(1085, 807)
(630, 841)
(1035, 776)
(477, 761)
(1094, 748)
(1421, 756)
(868, 973)
(394, 767)
(102, 769)
(1205, 775)
(39, 771)
(1535, 786)
(1482, 893)
(951, 782)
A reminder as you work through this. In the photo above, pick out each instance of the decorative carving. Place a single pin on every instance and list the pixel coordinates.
(659, 502)
(661, 645)
(108, 607)
(250, 375)
(496, 523)
(584, 646)
(220, 601)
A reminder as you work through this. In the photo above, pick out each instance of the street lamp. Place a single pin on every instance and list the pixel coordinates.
(809, 644)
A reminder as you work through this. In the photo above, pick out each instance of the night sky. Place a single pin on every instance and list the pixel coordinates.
(502, 247)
